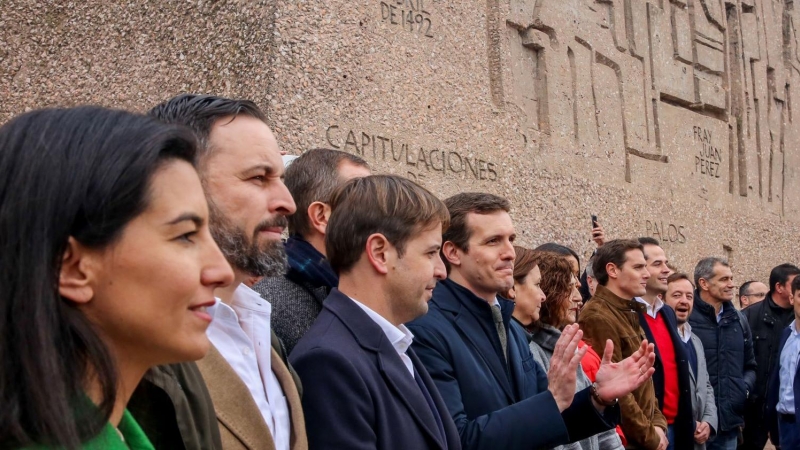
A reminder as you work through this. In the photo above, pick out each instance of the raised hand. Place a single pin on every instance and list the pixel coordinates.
(599, 235)
(615, 380)
(564, 365)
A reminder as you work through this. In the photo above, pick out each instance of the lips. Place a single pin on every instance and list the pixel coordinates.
(200, 310)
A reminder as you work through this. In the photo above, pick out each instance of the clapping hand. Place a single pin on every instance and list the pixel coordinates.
(615, 380)
(564, 365)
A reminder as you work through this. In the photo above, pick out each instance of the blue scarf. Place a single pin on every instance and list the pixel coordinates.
(307, 264)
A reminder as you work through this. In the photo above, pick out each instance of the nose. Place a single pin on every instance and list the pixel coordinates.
(439, 270)
(280, 200)
(216, 271)
(508, 251)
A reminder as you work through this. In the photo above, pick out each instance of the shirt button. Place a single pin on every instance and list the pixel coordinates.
(246, 351)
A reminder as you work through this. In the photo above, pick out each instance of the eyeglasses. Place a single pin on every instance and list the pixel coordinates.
(756, 295)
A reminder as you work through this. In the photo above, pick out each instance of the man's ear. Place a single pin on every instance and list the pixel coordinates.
(318, 215)
(451, 253)
(612, 270)
(75, 277)
(702, 284)
(379, 252)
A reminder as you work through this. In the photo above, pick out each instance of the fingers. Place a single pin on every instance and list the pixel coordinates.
(608, 352)
(566, 336)
(564, 344)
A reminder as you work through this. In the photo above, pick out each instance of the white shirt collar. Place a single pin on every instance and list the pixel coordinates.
(686, 334)
(400, 336)
(495, 302)
(653, 310)
(793, 327)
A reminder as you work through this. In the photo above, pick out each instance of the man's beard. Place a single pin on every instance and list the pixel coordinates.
(246, 255)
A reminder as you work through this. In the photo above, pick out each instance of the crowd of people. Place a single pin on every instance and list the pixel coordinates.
(151, 300)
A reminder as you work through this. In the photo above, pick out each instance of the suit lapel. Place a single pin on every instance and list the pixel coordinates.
(472, 332)
(298, 439)
(234, 405)
(402, 382)
(372, 339)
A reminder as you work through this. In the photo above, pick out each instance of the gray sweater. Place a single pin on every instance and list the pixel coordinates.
(542, 343)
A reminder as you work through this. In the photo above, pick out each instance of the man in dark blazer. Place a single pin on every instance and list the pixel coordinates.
(783, 395)
(497, 395)
(365, 388)
(671, 380)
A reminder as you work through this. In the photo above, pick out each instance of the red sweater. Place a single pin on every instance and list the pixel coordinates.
(666, 350)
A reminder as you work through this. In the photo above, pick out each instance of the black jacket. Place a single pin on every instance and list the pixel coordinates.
(684, 422)
(729, 356)
(767, 321)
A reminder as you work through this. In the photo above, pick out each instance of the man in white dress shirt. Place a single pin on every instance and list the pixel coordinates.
(365, 388)
(256, 399)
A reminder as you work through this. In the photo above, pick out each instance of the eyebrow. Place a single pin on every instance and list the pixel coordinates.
(269, 169)
(197, 220)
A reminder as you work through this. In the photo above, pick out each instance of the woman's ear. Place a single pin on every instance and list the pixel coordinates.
(318, 215)
(512, 294)
(75, 277)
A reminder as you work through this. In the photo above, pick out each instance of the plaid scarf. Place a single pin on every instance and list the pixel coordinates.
(308, 264)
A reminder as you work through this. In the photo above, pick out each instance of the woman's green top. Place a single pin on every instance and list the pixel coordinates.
(132, 437)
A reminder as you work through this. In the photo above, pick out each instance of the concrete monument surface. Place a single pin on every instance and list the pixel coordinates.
(675, 119)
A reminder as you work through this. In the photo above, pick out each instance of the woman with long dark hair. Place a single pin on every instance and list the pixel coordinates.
(107, 267)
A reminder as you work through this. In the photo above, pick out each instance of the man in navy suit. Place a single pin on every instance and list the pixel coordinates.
(497, 395)
(364, 387)
(783, 398)
(671, 380)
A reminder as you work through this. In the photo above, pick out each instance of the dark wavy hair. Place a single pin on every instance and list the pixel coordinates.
(83, 173)
(556, 285)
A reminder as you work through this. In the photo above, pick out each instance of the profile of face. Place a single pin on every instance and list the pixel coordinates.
(795, 301)
(528, 297)
(574, 303)
(680, 297)
(413, 276)
(720, 287)
(785, 290)
(248, 201)
(657, 267)
(591, 282)
(756, 292)
(488, 264)
(631, 278)
(148, 291)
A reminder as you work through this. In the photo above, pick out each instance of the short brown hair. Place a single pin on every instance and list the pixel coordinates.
(313, 177)
(556, 281)
(391, 205)
(677, 276)
(612, 252)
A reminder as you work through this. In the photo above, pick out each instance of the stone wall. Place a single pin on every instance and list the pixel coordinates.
(667, 118)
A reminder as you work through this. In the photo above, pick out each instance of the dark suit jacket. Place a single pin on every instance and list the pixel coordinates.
(358, 394)
(773, 392)
(684, 422)
(494, 404)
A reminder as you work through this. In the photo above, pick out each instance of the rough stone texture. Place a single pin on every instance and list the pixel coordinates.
(667, 118)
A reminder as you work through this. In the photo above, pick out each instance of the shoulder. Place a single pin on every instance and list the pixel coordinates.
(326, 332)
(282, 291)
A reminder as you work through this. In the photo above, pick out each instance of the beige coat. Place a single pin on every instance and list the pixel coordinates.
(241, 424)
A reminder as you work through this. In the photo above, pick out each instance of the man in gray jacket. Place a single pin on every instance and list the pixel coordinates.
(297, 296)
(680, 297)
